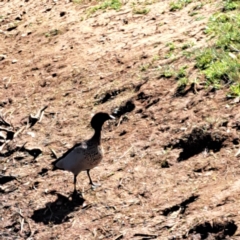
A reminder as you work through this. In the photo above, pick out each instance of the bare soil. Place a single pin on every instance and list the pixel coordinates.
(171, 167)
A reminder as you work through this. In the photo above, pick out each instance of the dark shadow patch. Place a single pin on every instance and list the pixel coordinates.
(236, 125)
(32, 121)
(182, 90)
(205, 169)
(12, 27)
(125, 107)
(34, 152)
(216, 230)
(10, 151)
(3, 122)
(4, 103)
(152, 102)
(142, 97)
(122, 133)
(183, 206)
(111, 94)
(165, 164)
(35, 185)
(197, 141)
(10, 135)
(5, 179)
(19, 158)
(144, 236)
(57, 212)
(43, 172)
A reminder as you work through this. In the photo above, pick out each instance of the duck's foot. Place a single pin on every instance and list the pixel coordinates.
(95, 185)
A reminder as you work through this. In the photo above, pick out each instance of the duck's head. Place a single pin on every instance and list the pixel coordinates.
(99, 118)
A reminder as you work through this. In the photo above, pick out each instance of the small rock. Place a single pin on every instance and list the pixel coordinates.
(32, 134)
(43, 83)
(2, 57)
(26, 34)
(14, 61)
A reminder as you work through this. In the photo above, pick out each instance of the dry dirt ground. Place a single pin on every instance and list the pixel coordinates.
(171, 168)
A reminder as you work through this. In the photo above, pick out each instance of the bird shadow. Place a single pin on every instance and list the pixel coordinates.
(57, 212)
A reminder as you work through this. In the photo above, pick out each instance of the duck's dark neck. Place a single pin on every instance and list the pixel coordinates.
(97, 136)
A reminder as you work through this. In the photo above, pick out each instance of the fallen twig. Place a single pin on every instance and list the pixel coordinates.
(22, 222)
(54, 153)
(4, 122)
(19, 131)
(33, 119)
(125, 152)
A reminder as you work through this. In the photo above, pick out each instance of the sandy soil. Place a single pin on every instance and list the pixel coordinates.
(171, 162)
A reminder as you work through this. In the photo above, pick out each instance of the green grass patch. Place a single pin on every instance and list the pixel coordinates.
(224, 70)
(108, 4)
(144, 67)
(178, 5)
(230, 5)
(77, 1)
(225, 28)
(52, 33)
(234, 90)
(179, 74)
(220, 63)
(143, 11)
(167, 72)
(171, 46)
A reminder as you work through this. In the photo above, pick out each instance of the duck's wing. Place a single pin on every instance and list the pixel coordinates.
(76, 151)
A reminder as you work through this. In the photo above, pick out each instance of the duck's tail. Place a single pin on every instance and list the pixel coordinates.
(54, 167)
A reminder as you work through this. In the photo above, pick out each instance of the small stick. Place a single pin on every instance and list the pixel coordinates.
(22, 222)
(4, 122)
(19, 131)
(125, 152)
(54, 153)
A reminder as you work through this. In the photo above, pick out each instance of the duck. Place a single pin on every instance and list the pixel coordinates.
(85, 155)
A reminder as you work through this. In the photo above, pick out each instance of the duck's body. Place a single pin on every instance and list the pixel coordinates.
(85, 155)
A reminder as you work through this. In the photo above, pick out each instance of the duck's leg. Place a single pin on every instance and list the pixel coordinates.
(75, 182)
(94, 185)
(90, 180)
(76, 195)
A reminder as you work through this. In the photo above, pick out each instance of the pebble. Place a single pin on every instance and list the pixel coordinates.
(2, 57)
